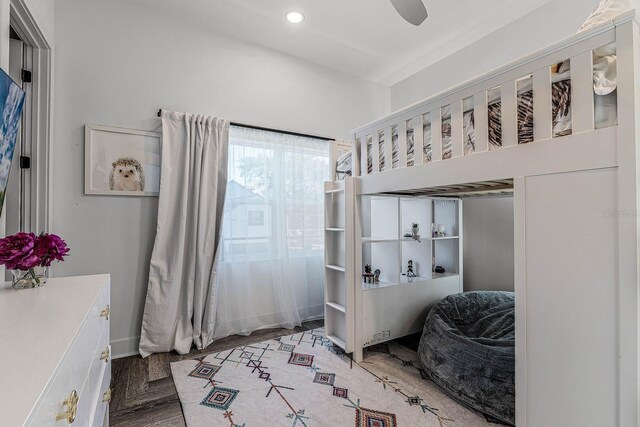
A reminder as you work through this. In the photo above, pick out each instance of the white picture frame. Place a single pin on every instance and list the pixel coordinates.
(105, 145)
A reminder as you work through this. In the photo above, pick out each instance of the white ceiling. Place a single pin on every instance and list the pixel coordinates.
(365, 38)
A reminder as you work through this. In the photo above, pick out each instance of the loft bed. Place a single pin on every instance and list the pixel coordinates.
(604, 66)
(537, 128)
(475, 123)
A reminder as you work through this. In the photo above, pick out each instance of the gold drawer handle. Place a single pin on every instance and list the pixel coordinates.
(72, 408)
(106, 312)
(106, 397)
(105, 355)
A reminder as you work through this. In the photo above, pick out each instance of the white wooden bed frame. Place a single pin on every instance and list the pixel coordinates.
(576, 225)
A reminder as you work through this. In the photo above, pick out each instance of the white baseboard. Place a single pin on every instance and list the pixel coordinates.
(129, 346)
(125, 347)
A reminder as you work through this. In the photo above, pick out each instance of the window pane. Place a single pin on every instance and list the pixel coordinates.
(274, 204)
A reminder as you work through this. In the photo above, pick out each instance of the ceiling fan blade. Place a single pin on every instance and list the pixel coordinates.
(413, 11)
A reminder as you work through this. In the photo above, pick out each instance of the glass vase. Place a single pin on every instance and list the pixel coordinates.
(32, 278)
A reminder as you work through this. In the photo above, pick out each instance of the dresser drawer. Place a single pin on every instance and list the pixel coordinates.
(71, 377)
(100, 313)
(104, 397)
(98, 365)
(80, 371)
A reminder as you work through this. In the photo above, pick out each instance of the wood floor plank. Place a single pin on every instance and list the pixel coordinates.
(159, 366)
(137, 376)
(168, 414)
(143, 390)
(119, 372)
(155, 393)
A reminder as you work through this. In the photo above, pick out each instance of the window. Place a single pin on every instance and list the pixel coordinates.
(255, 218)
(272, 258)
(274, 202)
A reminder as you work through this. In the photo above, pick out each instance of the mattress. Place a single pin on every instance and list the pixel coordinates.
(605, 102)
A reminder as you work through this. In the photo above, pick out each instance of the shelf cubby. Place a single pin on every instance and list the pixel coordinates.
(416, 210)
(382, 256)
(380, 218)
(445, 212)
(420, 254)
(446, 253)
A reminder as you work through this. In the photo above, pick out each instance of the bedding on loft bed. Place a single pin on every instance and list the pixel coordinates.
(605, 102)
(343, 165)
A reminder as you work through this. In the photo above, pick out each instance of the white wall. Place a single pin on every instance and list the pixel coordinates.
(116, 64)
(43, 13)
(546, 25)
(488, 244)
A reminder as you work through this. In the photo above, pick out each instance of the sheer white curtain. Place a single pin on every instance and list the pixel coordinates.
(271, 259)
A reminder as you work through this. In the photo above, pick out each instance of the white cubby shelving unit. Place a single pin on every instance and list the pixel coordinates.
(397, 305)
(370, 229)
(339, 269)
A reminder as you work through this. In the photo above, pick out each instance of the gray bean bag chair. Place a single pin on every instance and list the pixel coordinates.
(467, 349)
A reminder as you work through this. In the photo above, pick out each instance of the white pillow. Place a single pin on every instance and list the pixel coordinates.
(607, 10)
(605, 75)
(605, 79)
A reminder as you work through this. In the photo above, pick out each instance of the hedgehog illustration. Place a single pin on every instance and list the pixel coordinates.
(126, 175)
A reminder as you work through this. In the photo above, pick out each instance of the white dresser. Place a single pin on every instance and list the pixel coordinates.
(55, 361)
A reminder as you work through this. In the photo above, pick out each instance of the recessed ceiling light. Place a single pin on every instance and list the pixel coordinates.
(294, 17)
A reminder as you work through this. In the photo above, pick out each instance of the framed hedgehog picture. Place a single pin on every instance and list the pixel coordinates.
(121, 162)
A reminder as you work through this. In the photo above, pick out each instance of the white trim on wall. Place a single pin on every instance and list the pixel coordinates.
(24, 24)
(125, 347)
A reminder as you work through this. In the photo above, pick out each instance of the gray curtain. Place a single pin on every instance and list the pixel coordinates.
(181, 295)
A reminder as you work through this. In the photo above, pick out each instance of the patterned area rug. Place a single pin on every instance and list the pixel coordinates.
(303, 380)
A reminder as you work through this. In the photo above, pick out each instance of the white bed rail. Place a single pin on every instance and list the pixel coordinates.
(475, 95)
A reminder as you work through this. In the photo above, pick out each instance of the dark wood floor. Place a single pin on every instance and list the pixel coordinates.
(143, 390)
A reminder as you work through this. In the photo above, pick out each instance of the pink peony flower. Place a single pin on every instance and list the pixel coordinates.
(23, 251)
(16, 251)
(49, 248)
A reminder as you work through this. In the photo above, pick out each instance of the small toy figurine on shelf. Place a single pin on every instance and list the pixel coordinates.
(415, 232)
(367, 276)
(410, 272)
(441, 230)
(376, 276)
(439, 269)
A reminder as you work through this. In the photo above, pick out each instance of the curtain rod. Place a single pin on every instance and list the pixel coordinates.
(286, 132)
